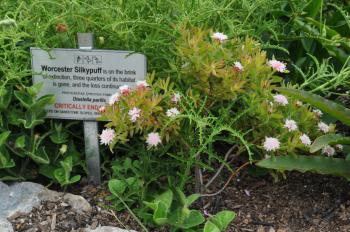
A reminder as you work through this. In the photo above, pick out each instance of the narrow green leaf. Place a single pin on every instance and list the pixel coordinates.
(335, 110)
(313, 8)
(301, 163)
(328, 139)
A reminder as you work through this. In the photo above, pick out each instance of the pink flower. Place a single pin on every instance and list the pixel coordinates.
(153, 139)
(318, 112)
(114, 98)
(291, 125)
(305, 140)
(278, 66)
(280, 99)
(107, 136)
(328, 150)
(219, 37)
(271, 144)
(141, 84)
(176, 98)
(102, 109)
(173, 112)
(134, 114)
(238, 66)
(323, 127)
(124, 89)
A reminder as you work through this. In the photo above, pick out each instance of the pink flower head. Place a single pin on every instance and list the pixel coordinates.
(323, 127)
(124, 89)
(271, 144)
(280, 99)
(102, 109)
(278, 66)
(328, 150)
(107, 136)
(291, 125)
(219, 37)
(134, 114)
(305, 140)
(173, 112)
(238, 66)
(153, 139)
(141, 85)
(114, 98)
(176, 98)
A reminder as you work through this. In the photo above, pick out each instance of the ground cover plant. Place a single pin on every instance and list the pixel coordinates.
(173, 133)
(209, 104)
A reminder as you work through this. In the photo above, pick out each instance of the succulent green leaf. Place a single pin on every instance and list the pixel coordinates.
(117, 187)
(25, 99)
(5, 97)
(31, 120)
(328, 139)
(59, 135)
(35, 89)
(160, 214)
(223, 219)
(39, 156)
(335, 110)
(43, 101)
(192, 198)
(302, 163)
(3, 137)
(210, 227)
(20, 141)
(195, 218)
(5, 160)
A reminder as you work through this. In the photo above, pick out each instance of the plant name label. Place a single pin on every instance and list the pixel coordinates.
(83, 80)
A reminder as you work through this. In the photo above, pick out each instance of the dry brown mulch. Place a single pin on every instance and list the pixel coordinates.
(302, 202)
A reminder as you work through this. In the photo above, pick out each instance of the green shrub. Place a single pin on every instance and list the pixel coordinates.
(224, 94)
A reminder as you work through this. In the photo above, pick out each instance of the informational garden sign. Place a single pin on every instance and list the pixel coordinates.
(83, 80)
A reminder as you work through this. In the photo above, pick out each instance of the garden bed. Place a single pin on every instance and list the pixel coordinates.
(303, 202)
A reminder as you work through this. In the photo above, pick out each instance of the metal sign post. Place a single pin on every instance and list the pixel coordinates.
(92, 153)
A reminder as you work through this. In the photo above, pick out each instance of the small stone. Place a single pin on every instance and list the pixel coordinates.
(260, 229)
(78, 203)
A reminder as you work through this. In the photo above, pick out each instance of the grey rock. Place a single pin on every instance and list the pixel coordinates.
(20, 197)
(5, 226)
(108, 229)
(78, 203)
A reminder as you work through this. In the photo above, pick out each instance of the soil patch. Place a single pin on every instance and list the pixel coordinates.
(302, 202)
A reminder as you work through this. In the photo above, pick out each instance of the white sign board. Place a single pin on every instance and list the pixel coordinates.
(83, 80)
